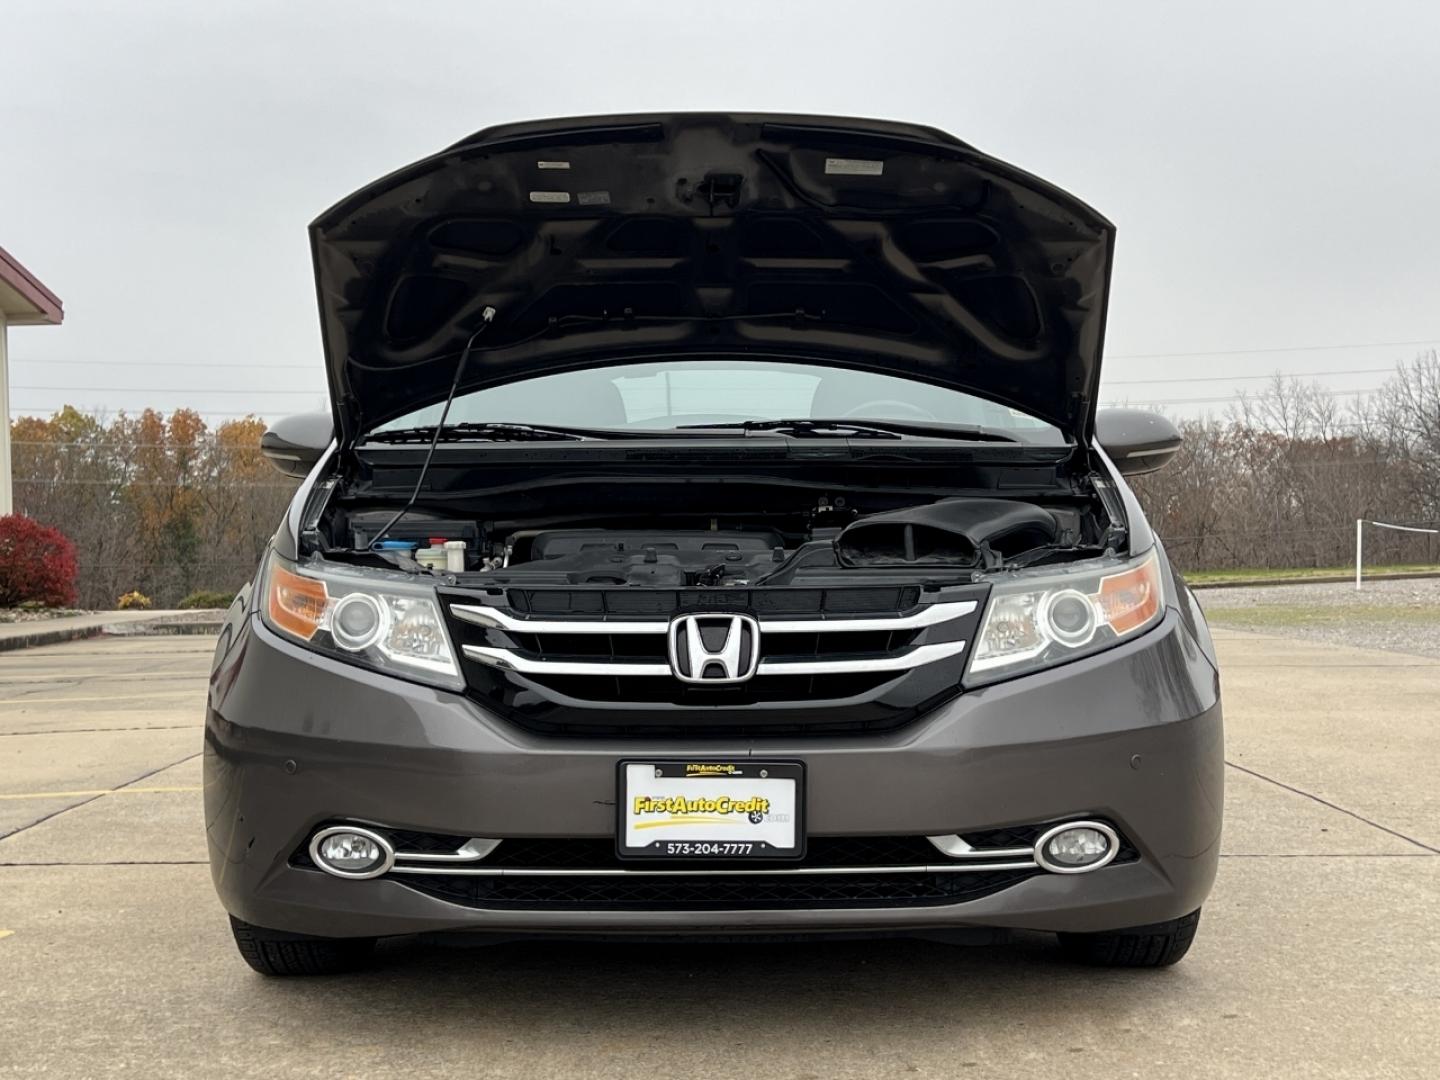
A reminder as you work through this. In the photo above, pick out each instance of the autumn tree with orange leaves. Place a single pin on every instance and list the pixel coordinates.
(159, 504)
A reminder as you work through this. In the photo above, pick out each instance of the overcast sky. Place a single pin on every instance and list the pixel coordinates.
(1273, 168)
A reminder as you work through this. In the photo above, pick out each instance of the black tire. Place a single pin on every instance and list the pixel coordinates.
(1157, 945)
(271, 952)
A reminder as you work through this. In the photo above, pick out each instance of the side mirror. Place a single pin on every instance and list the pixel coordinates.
(295, 443)
(1136, 440)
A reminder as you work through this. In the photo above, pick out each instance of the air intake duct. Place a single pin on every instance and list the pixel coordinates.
(951, 532)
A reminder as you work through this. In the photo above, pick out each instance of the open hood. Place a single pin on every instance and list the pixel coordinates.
(859, 243)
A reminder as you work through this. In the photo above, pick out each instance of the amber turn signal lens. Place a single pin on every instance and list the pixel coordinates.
(1130, 600)
(296, 604)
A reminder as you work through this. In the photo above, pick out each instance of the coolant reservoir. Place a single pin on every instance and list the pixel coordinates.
(455, 556)
(432, 557)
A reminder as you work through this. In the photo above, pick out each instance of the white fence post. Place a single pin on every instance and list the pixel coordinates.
(1359, 543)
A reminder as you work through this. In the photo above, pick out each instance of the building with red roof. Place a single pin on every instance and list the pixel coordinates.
(24, 301)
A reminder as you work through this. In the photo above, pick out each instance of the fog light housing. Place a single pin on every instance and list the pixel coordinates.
(349, 851)
(1077, 847)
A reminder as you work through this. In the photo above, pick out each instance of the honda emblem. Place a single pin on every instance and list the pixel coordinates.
(714, 649)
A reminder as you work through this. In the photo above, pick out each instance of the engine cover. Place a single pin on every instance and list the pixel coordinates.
(664, 558)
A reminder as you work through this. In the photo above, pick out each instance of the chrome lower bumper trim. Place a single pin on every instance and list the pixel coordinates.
(956, 847)
(791, 871)
(471, 851)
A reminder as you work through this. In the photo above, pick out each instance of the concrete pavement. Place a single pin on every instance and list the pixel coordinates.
(1319, 953)
(29, 633)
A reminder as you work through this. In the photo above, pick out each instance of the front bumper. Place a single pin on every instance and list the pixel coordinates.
(1132, 735)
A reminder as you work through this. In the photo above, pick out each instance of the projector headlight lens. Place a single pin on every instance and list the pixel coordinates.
(1070, 617)
(357, 621)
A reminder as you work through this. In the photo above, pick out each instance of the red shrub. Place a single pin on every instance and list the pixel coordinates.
(37, 564)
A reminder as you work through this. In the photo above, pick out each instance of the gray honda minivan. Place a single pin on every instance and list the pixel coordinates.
(714, 534)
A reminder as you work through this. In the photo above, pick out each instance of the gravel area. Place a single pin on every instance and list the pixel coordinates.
(1401, 616)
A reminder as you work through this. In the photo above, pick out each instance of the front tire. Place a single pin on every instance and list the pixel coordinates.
(1154, 946)
(271, 952)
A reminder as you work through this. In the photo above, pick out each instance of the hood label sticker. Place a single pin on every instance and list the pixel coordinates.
(553, 164)
(844, 166)
(550, 196)
(593, 198)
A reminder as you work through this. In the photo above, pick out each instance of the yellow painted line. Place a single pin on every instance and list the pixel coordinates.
(100, 791)
(6, 933)
(107, 697)
(74, 676)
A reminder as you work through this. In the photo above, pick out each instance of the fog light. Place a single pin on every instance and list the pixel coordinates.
(351, 852)
(1076, 847)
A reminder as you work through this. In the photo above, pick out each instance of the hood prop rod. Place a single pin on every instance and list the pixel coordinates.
(488, 316)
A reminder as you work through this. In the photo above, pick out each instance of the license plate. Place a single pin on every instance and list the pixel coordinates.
(711, 810)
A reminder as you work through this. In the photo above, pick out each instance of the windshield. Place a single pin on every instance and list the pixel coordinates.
(672, 394)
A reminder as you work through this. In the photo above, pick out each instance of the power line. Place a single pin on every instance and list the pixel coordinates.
(25, 410)
(1241, 378)
(165, 390)
(1310, 531)
(193, 483)
(323, 390)
(246, 365)
(31, 410)
(208, 445)
(1224, 398)
(307, 365)
(1281, 349)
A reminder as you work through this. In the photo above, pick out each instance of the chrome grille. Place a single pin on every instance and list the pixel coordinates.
(833, 654)
(598, 661)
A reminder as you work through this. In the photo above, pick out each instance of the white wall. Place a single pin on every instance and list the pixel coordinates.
(6, 493)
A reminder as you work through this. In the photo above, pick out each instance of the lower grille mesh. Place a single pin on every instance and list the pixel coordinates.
(599, 854)
(700, 894)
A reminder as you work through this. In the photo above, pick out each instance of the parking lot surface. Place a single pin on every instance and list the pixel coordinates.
(1318, 955)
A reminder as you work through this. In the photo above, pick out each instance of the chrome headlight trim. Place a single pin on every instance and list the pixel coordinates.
(1017, 636)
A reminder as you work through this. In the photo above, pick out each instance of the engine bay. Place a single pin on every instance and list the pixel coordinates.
(953, 539)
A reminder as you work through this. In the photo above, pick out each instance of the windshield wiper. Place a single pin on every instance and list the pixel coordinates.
(872, 429)
(493, 432)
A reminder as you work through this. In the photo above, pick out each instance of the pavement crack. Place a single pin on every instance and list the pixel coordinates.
(1332, 806)
(97, 730)
(47, 817)
(1326, 855)
(116, 862)
(87, 802)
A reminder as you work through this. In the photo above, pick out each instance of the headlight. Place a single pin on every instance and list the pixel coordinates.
(382, 622)
(1036, 620)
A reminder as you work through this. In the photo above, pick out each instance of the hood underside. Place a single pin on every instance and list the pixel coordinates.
(864, 244)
